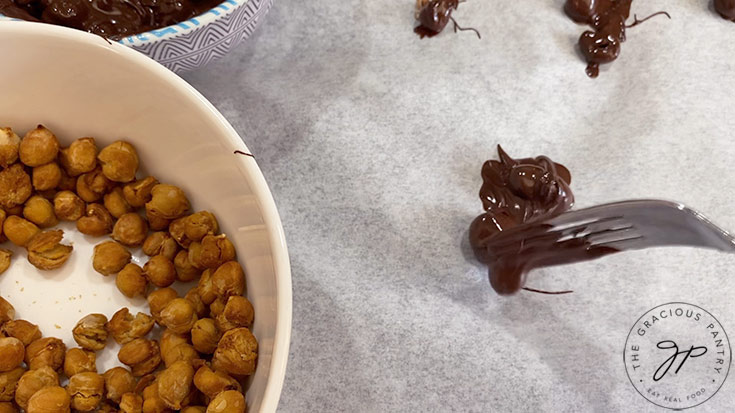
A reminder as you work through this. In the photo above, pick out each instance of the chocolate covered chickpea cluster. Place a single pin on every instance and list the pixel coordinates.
(206, 347)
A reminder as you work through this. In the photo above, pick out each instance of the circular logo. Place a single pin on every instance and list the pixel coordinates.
(677, 355)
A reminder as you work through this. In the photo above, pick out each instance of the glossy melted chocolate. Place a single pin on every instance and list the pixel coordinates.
(112, 19)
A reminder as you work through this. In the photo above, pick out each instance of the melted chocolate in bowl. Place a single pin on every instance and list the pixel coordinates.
(113, 19)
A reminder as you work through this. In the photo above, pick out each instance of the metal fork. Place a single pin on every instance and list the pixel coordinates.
(614, 227)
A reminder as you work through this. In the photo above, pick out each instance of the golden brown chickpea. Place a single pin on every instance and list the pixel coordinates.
(40, 211)
(138, 193)
(152, 402)
(217, 307)
(91, 186)
(238, 312)
(131, 403)
(15, 186)
(68, 206)
(110, 257)
(16, 210)
(160, 243)
(237, 352)
(46, 177)
(7, 312)
(185, 271)
(177, 231)
(228, 280)
(205, 335)
(160, 271)
(80, 157)
(213, 251)
(174, 384)
(206, 289)
(39, 146)
(46, 252)
(118, 381)
(158, 299)
(179, 316)
(167, 201)
(78, 360)
(130, 230)
(194, 409)
(8, 381)
(211, 383)
(3, 215)
(96, 221)
(5, 259)
(49, 400)
(86, 391)
(182, 352)
(200, 224)
(156, 223)
(106, 406)
(229, 401)
(23, 330)
(193, 296)
(46, 351)
(67, 183)
(9, 144)
(19, 231)
(131, 281)
(170, 340)
(115, 202)
(91, 332)
(119, 161)
(11, 353)
(125, 328)
(8, 407)
(32, 381)
(141, 355)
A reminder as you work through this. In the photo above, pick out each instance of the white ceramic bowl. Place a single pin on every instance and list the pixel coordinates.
(78, 85)
(195, 42)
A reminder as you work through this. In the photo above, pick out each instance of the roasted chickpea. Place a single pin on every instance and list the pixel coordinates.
(238, 312)
(119, 161)
(237, 352)
(96, 221)
(126, 328)
(185, 271)
(49, 400)
(106, 406)
(110, 257)
(46, 252)
(78, 360)
(67, 183)
(206, 289)
(131, 403)
(118, 381)
(156, 223)
(91, 332)
(86, 391)
(177, 229)
(179, 315)
(115, 202)
(200, 224)
(217, 307)
(40, 211)
(158, 299)
(5, 259)
(160, 271)
(23, 330)
(193, 296)
(32, 381)
(130, 230)
(91, 186)
(211, 383)
(11, 353)
(138, 193)
(80, 157)
(9, 144)
(68, 206)
(7, 312)
(131, 281)
(228, 280)
(194, 409)
(205, 335)
(160, 243)
(46, 351)
(213, 251)
(167, 201)
(8, 381)
(8, 407)
(39, 146)
(182, 352)
(229, 401)
(141, 355)
(152, 402)
(46, 177)
(19, 231)
(174, 384)
(170, 340)
(15, 186)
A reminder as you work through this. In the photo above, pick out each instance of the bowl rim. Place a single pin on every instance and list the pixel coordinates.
(271, 218)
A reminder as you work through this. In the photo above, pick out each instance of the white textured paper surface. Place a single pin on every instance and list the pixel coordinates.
(372, 142)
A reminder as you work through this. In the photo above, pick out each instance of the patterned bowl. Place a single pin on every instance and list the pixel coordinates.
(195, 42)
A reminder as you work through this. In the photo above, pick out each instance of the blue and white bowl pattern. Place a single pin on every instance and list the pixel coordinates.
(195, 42)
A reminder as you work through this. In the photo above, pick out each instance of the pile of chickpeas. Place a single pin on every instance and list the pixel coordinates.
(206, 348)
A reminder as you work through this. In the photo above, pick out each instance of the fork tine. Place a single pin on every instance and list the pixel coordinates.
(539, 232)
